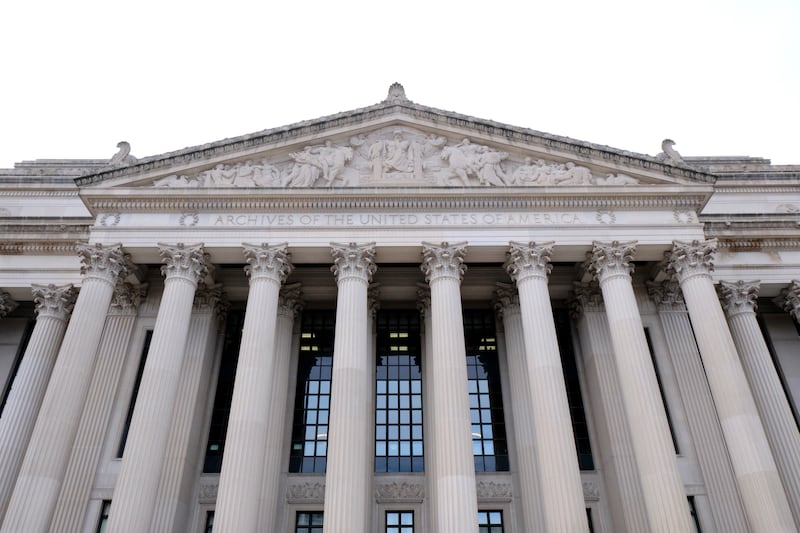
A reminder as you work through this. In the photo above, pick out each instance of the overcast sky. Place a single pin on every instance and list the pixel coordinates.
(718, 77)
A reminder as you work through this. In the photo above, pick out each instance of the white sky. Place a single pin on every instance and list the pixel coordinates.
(720, 77)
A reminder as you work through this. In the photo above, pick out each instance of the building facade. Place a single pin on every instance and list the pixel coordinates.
(400, 319)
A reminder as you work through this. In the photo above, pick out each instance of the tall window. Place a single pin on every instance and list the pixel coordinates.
(661, 389)
(399, 521)
(23, 345)
(398, 393)
(308, 522)
(209, 522)
(580, 428)
(135, 393)
(489, 445)
(224, 394)
(103, 520)
(693, 512)
(490, 522)
(312, 399)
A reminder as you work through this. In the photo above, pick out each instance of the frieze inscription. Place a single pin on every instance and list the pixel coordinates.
(398, 156)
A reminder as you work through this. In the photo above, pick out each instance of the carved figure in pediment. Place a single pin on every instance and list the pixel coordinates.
(177, 181)
(490, 172)
(616, 179)
(466, 160)
(531, 173)
(306, 170)
(569, 174)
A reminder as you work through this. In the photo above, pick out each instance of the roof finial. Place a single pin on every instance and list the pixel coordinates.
(670, 154)
(396, 93)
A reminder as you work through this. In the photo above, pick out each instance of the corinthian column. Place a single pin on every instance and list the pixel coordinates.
(453, 481)
(348, 482)
(528, 265)
(739, 301)
(137, 484)
(508, 308)
(53, 306)
(759, 484)
(664, 495)
(290, 303)
(42, 472)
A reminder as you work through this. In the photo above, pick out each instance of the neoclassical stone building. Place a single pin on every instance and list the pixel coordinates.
(400, 319)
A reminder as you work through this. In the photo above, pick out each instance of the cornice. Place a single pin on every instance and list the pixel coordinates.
(38, 248)
(738, 245)
(382, 110)
(143, 200)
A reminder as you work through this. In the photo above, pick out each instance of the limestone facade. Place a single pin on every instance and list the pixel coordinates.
(400, 315)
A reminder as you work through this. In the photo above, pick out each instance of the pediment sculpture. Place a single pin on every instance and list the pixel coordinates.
(398, 156)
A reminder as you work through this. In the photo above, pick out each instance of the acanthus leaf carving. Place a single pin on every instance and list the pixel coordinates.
(306, 492)
(691, 258)
(529, 260)
(188, 262)
(739, 296)
(267, 262)
(399, 491)
(586, 298)
(667, 295)
(7, 304)
(494, 490)
(610, 259)
(54, 301)
(106, 263)
(789, 299)
(443, 260)
(353, 261)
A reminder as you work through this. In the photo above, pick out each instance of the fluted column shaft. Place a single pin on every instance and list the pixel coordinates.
(453, 486)
(721, 487)
(756, 474)
(243, 462)
(429, 417)
(53, 306)
(36, 491)
(739, 300)
(348, 494)
(664, 495)
(184, 445)
(111, 354)
(524, 430)
(559, 473)
(615, 448)
(145, 449)
(290, 304)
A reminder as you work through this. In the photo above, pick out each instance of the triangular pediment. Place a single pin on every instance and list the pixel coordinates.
(396, 144)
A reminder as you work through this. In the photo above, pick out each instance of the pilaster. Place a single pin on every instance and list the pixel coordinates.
(242, 473)
(53, 306)
(756, 474)
(348, 482)
(664, 495)
(563, 509)
(453, 480)
(42, 473)
(146, 446)
(740, 300)
(709, 442)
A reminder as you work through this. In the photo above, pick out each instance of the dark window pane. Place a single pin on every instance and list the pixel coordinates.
(136, 384)
(308, 522)
(490, 521)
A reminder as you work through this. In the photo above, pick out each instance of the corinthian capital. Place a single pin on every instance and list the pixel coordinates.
(353, 261)
(506, 300)
(290, 299)
(7, 304)
(667, 295)
(586, 298)
(106, 263)
(789, 299)
(189, 263)
(443, 260)
(612, 259)
(689, 259)
(529, 260)
(127, 298)
(739, 297)
(54, 301)
(267, 262)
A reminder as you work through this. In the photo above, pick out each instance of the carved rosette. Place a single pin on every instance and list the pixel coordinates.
(189, 263)
(739, 297)
(267, 262)
(399, 491)
(353, 261)
(7, 304)
(789, 300)
(529, 261)
(54, 301)
(104, 263)
(506, 300)
(667, 295)
(126, 298)
(689, 259)
(443, 261)
(612, 259)
(290, 300)
(586, 298)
